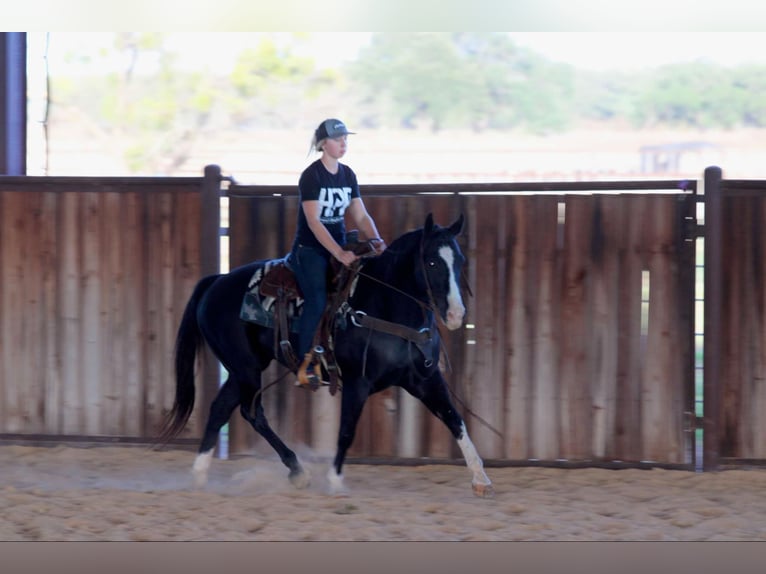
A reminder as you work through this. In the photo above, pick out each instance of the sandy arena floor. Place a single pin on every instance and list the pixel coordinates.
(128, 493)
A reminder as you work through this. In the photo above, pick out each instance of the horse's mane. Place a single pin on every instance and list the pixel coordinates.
(399, 252)
(405, 244)
(409, 242)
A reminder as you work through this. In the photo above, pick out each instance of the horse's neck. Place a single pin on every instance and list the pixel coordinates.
(387, 289)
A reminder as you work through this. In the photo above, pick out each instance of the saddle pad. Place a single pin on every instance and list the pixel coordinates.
(259, 309)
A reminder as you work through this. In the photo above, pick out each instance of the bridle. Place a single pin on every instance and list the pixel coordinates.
(430, 305)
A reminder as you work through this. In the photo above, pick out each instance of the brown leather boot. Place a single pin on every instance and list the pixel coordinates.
(310, 373)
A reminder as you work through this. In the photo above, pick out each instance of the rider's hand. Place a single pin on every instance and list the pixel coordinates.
(378, 245)
(346, 257)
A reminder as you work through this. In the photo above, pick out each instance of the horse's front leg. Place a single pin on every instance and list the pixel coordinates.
(433, 393)
(480, 483)
(354, 395)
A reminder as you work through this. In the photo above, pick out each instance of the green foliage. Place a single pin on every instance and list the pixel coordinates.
(468, 80)
(703, 95)
(458, 80)
(484, 81)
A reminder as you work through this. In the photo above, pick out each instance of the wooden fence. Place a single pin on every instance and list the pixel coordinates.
(95, 274)
(735, 321)
(557, 361)
(578, 346)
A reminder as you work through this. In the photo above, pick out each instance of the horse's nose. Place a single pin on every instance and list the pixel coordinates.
(455, 316)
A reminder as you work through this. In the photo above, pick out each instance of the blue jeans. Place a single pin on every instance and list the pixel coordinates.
(310, 267)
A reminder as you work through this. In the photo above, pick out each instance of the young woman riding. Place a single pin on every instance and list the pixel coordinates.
(328, 189)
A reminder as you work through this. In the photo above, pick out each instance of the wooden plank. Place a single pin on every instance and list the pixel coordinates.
(575, 360)
(749, 326)
(113, 315)
(325, 421)
(12, 235)
(5, 312)
(605, 333)
(627, 438)
(24, 371)
(544, 427)
(519, 344)
(661, 407)
(382, 408)
(409, 425)
(92, 340)
(156, 236)
(490, 378)
(188, 270)
(132, 302)
(470, 365)
(241, 250)
(758, 389)
(50, 312)
(32, 375)
(168, 318)
(740, 397)
(71, 317)
(733, 314)
(127, 253)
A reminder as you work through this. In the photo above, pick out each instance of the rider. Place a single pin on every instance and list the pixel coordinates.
(328, 189)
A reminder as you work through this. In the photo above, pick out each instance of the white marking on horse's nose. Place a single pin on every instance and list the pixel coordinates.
(455, 307)
(455, 317)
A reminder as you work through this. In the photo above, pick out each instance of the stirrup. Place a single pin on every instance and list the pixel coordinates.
(310, 373)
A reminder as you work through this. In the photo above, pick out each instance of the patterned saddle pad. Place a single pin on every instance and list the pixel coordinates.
(259, 308)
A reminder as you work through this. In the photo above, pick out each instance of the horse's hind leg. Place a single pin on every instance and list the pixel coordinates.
(355, 394)
(252, 411)
(220, 412)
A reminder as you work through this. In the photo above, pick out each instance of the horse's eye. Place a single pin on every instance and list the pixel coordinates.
(432, 263)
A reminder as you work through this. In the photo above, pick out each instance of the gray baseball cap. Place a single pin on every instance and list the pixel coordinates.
(331, 128)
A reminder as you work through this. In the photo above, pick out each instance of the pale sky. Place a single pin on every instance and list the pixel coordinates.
(634, 50)
(589, 50)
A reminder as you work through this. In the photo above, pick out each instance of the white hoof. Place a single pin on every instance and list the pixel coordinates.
(335, 484)
(200, 468)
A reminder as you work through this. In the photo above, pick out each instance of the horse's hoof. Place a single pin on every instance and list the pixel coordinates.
(483, 490)
(300, 479)
(338, 491)
(199, 480)
(336, 486)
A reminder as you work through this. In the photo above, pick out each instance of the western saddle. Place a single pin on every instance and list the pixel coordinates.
(281, 284)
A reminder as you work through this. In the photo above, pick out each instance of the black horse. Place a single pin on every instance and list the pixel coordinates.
(406, 287)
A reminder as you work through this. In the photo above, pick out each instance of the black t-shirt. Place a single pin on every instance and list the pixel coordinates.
(334, 193)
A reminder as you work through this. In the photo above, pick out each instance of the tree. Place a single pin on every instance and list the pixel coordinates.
(458, 80)
(153, 113)
(149, 112)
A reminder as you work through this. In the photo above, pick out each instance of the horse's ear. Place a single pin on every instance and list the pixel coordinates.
(429, 223)
(457, 227)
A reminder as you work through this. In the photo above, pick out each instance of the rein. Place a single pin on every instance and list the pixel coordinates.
(418, 336)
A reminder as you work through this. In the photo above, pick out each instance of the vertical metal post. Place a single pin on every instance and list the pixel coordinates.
(13, 103)
(210, 256)
(210, 248)
(712, 386)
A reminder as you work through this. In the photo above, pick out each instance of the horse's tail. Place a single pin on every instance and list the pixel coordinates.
(188, 342)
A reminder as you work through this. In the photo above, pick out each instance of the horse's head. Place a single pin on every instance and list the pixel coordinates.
(442, 263)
